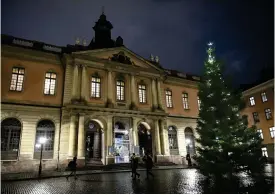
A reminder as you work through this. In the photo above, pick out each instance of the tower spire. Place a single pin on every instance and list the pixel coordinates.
(102, 9)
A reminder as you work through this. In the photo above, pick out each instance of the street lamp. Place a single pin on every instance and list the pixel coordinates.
(40, 144)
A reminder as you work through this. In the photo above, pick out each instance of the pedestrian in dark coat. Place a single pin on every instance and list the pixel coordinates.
(188, 158)
(72, 167)
(134, 166)
(149, 165)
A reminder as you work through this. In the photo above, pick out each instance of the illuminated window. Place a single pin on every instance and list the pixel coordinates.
(169, 99)
(120, 86)
(50, 81)
(261, 133)
(264, 152)
(185, 101)
(95, 87)
(264, 98)
(268, 114)
(272, 131)
(17, 79)
(256, 117)
(142, 93)
(252, 101)
(199, 103)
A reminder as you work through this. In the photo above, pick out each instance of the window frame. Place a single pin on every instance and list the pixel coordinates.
(185, 102)
(262, 97)
(96, 83)
(169, 97)
(272, 132)
(55, 79)
(256, 120)
(17, 75)
(264, 151)
(268, 112)
(252, 99)
(118, 96)
(261, 133)
(142, 93)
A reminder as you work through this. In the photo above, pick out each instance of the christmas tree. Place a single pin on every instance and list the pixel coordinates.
(226, 146)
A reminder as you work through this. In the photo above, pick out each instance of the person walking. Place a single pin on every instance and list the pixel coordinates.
(149, 165)
(134, 164)
(72, 166)
(188, 158)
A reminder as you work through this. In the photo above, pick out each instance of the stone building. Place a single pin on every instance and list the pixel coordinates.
(99, 102)
(260, 109)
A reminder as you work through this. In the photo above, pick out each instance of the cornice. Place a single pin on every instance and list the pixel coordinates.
(83, 108)
(259, 88)
(30, 55)
(181, 82)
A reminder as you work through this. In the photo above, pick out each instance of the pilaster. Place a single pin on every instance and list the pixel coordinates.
(75, 82)
(84, 90)
(72, 134)
(81, 138)
(110, 96)
(154, 94)
(157, 138)
(133, 93)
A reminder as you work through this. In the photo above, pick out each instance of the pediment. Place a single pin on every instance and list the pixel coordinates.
(119, 55)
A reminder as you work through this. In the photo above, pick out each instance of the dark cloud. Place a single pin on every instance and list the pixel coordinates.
(177, 31)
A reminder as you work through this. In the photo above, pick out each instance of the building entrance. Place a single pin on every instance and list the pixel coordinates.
(121, 143)
(93, 143)
(145, 140)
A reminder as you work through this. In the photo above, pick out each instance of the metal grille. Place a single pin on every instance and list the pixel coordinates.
(10, 138)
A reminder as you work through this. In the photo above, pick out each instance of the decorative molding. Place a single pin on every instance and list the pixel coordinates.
(23, 43)
(51, 48)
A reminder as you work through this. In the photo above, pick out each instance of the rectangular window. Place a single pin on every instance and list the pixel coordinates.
(142, 93)
(264, 152)
(199, 103)
(120, 90)
(272, 131)
(95, 87)
(268, 114)
(260, 131)
(185, 101)
(256, 117)
(252, 101)
(264, 98)
(17, 79)
(50, 81)
(168, 94)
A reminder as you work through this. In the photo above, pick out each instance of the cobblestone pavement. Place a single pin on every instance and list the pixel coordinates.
(165, 181)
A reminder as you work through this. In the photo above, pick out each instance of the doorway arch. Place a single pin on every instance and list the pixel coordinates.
(189, 141)
(144, 138)
(93, 141)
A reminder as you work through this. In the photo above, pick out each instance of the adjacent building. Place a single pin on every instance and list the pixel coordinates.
(99, 102)
(260, 110)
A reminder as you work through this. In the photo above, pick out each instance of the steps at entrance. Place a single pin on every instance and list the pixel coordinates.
(165, 164)
(94, 162)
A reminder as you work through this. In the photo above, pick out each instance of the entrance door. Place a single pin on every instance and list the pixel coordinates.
(121, 143)
(145, 140)
(93, 142)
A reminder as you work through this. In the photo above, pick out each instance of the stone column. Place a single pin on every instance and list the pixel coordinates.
(157, 138)
(96, 145)
(110, 97)
(84, 90)
(159, 92)
(135, 132)
(81, 138)
(133, 90)
(154, 95)
(72, 135)
(75, 82)
(163, 139)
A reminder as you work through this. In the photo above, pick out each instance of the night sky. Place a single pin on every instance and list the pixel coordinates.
(175, 30)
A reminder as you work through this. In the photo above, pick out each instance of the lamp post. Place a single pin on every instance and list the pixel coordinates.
(40, 144)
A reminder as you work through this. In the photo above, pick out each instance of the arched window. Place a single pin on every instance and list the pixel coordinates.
(173, 140)
(189, 141)
(10, 138)
(45, 128)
